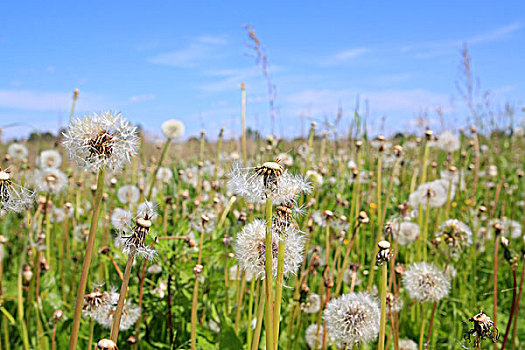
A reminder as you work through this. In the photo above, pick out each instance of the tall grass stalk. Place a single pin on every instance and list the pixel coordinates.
(268, 255)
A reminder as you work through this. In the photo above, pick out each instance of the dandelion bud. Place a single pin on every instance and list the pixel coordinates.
(428, 134)
(359, 144)
(399, 269)
(58, 315)
(231, 255)
(363, 217)
(473, 129)
(27, 274)
(520, 173)
(93, 188)
(107, 344)
(132, 339)
(505, 242)
(498, 228)
(398, 150)
(434, 164)
(471, 166)
(197, 269)
(463, 154)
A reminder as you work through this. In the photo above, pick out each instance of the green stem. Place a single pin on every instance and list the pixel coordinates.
(258, 326)
(159, 163)
(87, 261)
(382, 325)
(122, 297)
(278, 291)
(269, 276)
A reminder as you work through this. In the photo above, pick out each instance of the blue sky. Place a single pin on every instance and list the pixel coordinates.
(158, 60)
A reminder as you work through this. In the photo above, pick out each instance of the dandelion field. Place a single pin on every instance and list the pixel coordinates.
(109, 240)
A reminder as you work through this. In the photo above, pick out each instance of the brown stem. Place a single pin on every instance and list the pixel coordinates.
(516, 312)
(507, 331)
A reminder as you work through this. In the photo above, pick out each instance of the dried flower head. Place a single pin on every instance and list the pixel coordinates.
(101, 140)
(425, 282)
(13, 197)
(484, 327)
(132, 238)
(107, 344)
(172, 129)
(352, 318)
(250, 247)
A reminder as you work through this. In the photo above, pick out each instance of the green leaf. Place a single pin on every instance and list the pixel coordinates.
(228, 339)
(8, 315)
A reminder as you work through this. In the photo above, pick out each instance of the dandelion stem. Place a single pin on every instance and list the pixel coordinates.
(258, 326)
(269, 276)
(495, 285)
(382, 325)
(516, 312)
(159, 163)
(120, 305)
(278, 291)
(250, 313)
(515, 286)
(87, 261)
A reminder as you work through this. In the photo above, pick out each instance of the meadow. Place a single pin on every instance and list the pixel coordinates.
(113, 241)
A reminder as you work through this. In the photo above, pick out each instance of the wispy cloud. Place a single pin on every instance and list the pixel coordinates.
(48, 100)
(196, 51)
(141, 98)
(439, 48)
(229, 79)
(344, 56)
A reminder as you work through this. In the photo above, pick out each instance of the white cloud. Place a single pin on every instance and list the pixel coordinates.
(141, 98)
(344, 56)
(496, 34)
(198, 50)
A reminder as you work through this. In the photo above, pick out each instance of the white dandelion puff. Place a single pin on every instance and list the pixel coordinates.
(436, 192)
(268, 180)
(121, 219)
(164, 174)
(352, 318)
(49, 159)
(314, 337)
(407, 344)
(101, 140)
(455, 232)
(50, 180)
(172, 129)
(128, 194)
(312, 304)
(13, 197)
(250, 247)
(406, 232)
(17, 151)
(425, 282)
(448, 142)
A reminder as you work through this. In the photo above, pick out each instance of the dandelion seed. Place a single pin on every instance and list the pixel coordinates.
(49, 159)
(128, 194)
(17, 151)
(13, 197)
(130, 314)
(250, 246)
(101, 140)
(425, 282)
(352, 318)
(172, 129)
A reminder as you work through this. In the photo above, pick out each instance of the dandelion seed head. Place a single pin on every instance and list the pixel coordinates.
(49, 159)
(425, 282)
(172, 129)
(352, 318)
(407, 344)
(17, 151)
(164, 174)
(406, 232)
(455, 232)
(101, 140)
(312, 304)
(250, 248)
(50, 180)
(313, 338)
(448, 142)
(128, 194)
(436, 192)
(121, 219)
(13, 197)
